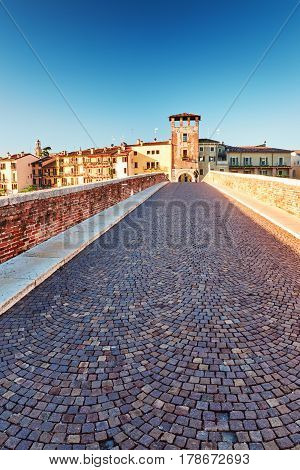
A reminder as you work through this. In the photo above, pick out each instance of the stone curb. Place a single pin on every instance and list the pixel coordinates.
(21, 274)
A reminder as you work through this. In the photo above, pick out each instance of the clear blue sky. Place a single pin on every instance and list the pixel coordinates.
(124, 66)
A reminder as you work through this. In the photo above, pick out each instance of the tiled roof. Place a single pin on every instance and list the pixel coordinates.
(97, 152)
(17, 156)
(255, 149)
(184, 116)
(162, 142)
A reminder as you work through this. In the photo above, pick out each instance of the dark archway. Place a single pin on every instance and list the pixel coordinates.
(185, 178)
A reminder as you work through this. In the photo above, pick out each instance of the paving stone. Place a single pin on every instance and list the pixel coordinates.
(175, 329)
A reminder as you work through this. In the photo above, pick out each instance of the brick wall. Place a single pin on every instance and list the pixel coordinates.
(280, 192)
(30, 218)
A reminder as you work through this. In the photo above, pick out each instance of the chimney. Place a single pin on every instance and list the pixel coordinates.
(8, 155)
(138, 141)
(92, 150)
(22, 153)
(141, 142)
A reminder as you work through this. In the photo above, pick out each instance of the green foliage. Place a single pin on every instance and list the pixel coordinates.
(29, 188)
(45, 151)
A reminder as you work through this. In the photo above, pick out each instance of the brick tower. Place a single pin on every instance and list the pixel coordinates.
(185, 145)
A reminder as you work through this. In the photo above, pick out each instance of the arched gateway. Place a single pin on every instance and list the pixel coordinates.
(185, 178)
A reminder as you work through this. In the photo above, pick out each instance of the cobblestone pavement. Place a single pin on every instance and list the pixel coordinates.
(176, 329)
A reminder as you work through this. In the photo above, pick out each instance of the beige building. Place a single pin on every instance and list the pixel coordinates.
(16, 172)
(148, 157)
(260, 160)
(212, 156)
(296, 163)
(82, 166)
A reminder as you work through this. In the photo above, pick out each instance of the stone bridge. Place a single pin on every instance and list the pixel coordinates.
(176, 329)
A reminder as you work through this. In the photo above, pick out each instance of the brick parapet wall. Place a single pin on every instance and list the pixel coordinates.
(31, 218)
(279, 192)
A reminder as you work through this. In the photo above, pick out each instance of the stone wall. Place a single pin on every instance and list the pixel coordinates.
(30, 218)
(279, 192)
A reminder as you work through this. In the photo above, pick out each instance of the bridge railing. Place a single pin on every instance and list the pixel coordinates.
(278, 192)
(30, 218)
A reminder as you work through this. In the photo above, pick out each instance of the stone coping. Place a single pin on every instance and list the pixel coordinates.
(64, 190)
(24, 272)
(275, 179)
(277, 216)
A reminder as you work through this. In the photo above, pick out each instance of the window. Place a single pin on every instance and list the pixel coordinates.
(152, 165)
(157, 152)
(234, 161)
(136, 164)
(202, 159)
(148, 152)
(148, 165)
(124, 159)
(201, 149)
(221, 169)
(14, 166)
(14, 186)
(153, 152)
(125, 170)
(280, 161)
(2, 166)
(184, 154)
(134, 153)
(201, 171)
(212, 149)
(264, 161)
(247, 161)
(184, 137)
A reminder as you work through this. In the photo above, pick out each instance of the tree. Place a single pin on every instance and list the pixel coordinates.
(45, 151)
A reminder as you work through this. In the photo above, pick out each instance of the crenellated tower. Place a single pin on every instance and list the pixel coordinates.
(185, 145)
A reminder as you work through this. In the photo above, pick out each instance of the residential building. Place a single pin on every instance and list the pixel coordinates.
(261, 160)
(153, 156)
(15, 172)
(296, 164)
(212, 156)
(82, 166)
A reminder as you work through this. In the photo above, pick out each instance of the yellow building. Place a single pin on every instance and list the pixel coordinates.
(82, 166)
(16, 172)
(148, 157)
(260, 160)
